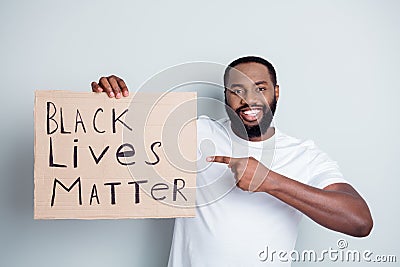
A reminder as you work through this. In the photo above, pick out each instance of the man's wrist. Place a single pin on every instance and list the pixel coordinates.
(269, 183)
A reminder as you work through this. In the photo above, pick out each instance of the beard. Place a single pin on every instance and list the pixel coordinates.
(246, 131)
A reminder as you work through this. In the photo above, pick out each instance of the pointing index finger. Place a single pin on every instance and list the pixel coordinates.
(219, 159)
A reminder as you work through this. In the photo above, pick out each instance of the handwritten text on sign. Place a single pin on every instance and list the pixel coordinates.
(97, 157)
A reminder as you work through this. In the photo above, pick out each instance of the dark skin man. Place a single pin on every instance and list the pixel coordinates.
(337, 206)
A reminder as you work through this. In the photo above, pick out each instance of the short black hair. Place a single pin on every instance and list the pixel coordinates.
(250, 59)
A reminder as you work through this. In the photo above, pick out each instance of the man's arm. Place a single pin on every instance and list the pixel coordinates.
(338, 206)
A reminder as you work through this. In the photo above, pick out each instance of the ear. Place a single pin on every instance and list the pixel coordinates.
(225, 96)
(277, 92)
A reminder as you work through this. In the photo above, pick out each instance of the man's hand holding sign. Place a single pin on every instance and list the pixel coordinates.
(112, 85)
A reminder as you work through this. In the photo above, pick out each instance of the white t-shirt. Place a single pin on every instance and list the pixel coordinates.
(233, 226)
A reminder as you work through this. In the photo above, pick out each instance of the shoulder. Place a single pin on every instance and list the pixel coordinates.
(284, 140)
(322, 170)
(306, 147)
(210, 126)
(204, 121)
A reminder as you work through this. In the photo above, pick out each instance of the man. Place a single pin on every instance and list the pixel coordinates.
(259, 182)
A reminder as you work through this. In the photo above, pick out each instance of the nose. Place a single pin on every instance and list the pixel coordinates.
(251, 97)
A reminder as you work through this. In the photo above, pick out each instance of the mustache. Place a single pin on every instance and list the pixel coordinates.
(250, 106)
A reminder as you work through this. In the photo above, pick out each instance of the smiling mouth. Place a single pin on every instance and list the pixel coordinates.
(251, 114)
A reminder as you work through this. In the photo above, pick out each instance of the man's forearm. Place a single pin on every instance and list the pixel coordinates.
(338, 206)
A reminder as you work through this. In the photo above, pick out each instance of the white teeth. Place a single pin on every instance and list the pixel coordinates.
(251, 112)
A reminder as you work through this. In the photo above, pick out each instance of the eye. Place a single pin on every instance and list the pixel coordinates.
(261, 89)
(237, 91)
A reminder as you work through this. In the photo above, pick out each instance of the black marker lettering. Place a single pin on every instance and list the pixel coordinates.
(80, 121)
(176, 189)
(75, 157)
(93, 194)
(125, 154)
(50, 117)
(51, 157)
(97, 159)
(159, 187)
(155, 154)
(63, 131)
(112, 191)
(136, 183)
(94, 121)
(114, 120)
(77, 181)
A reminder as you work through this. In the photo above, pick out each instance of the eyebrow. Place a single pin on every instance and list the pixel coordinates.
(236, 85)
(261, 82)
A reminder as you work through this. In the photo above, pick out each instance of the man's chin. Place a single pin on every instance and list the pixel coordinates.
(257, 128)
(250, 130)
(248, 124)
(262, 123)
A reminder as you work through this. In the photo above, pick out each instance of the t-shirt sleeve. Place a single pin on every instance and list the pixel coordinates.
(323, 170)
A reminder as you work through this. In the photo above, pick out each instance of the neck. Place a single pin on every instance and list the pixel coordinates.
(267, 135)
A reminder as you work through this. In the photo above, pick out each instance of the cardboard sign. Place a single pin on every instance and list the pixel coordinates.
(102, 158)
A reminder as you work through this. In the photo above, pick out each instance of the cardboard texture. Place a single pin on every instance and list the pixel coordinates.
(102, 158)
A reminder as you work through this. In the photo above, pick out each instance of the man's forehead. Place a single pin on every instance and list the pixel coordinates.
(246, 73)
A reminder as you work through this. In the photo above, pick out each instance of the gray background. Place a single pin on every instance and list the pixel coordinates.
(337, 63)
